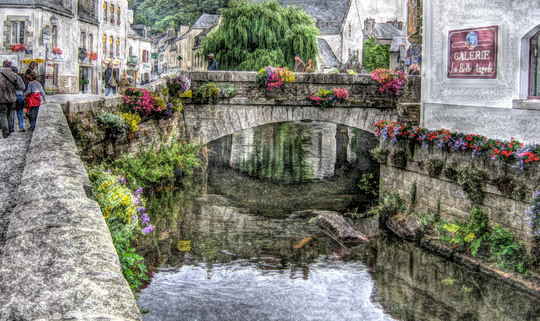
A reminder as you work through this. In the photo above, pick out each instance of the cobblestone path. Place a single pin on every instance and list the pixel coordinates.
(12, 161)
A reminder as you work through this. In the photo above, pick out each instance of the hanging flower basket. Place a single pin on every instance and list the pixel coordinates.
(18, 47)
(92, 56)
(57, 50)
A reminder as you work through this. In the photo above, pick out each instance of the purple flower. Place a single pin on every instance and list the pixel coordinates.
(145, 219)
(148, 229)
(141, 209)
(138, 191)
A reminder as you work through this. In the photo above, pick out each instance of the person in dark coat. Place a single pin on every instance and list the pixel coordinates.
(19, 104)
(109, 84)
(8, 85)
(212, 65)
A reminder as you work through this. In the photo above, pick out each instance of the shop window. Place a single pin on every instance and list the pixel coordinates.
(17, 32)
(534, 71)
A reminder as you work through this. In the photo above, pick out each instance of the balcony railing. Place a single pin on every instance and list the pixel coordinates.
(133, 60)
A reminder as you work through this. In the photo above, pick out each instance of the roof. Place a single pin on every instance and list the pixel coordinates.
(328, 14)
(387, 31)
(328, 57)
(132, 33)
(206, 21)
(397, 42)
(53, 5)
(86, 16)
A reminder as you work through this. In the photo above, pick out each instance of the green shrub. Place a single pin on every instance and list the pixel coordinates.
(124, 213)
(113, 124)
(206, 94)
(434, 167)
(399, 158)
(369, 185)
(471, 179)
(505, 184)
(375, 56)
(227, 90)
(467, 236)
(389, 205)
(451, 171)
(154, 167)
(505, 251)
(380, 154)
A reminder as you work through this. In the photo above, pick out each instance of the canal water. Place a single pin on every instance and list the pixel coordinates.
(238, 243)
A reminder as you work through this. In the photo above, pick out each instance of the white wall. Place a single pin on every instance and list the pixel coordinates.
(479, 105)
(356, 40)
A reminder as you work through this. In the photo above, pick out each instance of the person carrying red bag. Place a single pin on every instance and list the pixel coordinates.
(33, 94)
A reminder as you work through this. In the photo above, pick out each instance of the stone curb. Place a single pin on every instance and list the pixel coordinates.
(59, 261)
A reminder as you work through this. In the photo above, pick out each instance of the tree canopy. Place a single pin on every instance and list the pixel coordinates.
(257, 34)
(375, 56)
(164, 14)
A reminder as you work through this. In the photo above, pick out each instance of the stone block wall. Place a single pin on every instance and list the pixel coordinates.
(441, 194)
(363, 91)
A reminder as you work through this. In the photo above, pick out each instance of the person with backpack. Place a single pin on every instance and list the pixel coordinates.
(111, 80)
(33, 94)
(19, 104)
(8, 84)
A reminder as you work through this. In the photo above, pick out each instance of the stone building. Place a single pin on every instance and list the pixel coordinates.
(87, 34)
(340, 23)
(139, 50)
(481, 68)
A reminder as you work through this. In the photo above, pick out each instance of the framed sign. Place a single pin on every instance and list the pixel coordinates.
(472, 53)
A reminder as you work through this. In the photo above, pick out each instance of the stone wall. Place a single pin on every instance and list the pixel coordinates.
(59, 261)
(441, 194)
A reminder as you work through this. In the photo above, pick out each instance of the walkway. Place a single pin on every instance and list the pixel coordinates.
(12, 161)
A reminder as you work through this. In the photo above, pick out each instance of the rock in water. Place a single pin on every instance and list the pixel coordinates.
(336, 224)
(406, 226)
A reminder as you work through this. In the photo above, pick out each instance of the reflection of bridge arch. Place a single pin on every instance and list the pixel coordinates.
(205, 123)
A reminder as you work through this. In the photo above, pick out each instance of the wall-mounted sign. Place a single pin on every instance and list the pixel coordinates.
(37, 61)
(472, 53)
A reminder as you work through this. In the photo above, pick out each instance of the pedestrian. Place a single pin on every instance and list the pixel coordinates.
(33, 94)
(415, 71)
(19, 104)
(124, 83)
(212, 65)
(111, 79)
(31, 67)
(299, 65)
(309, 66)
(8, 85)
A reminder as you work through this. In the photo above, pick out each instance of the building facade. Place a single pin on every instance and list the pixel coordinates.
(70, 40)
(139, 65)
(481, 68)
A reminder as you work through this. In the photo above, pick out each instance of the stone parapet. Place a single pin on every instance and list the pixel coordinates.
(59, 261)
(439, 193)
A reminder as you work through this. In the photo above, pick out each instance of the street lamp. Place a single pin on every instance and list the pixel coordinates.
(54, 20)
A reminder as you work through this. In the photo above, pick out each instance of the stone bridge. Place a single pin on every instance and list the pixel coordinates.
(253, 107)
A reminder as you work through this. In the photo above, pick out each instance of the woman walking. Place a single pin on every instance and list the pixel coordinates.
(111, 80)
(34, 92)
(19, 104)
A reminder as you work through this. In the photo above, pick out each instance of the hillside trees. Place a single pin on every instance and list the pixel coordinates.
(254, 35)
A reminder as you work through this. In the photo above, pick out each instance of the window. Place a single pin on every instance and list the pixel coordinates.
(111, 46)
(17, 32)
(105, 11)
(350, 30)
(104, 44)
(534, 72)
(118, 13)
(112, 13)
(117, 46)
(145, 56)
(91, 42)
(130, 51)
(54, 36)
(83, 40)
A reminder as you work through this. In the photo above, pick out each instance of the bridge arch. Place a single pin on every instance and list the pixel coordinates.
(206, 123)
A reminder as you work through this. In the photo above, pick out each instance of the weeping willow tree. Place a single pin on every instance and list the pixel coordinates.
(258, 34)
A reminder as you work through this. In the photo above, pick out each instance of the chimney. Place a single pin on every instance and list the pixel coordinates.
(369, 27)
(170, 33)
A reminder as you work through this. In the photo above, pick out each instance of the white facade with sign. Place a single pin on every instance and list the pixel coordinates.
(504, 107)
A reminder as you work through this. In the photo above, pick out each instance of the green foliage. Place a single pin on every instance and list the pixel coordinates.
(389, 205)
(206, 94)
(83, 135)
(505, 251)
(467, 236)
(434, 167)
(505, 184)
(178, 104)
(113, 124)
(165, 14)
(153, 167)
(369, 185)
(380, 154)
(118, 206)
(451, 171)
(258, 34)
(427, 221)
(227, 90)
(375, 56)
(472, 180)
(399, 158)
